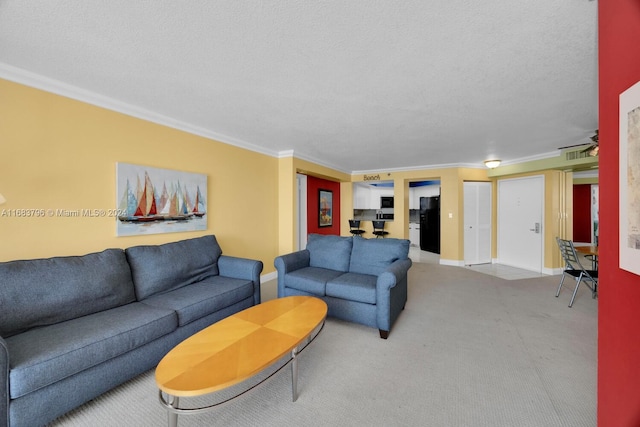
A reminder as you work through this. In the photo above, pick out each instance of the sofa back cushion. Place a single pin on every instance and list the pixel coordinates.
(373, 256)
(329, 251)
(42, 292)
(162, 268)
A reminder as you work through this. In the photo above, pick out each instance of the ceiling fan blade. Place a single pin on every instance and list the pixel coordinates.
(575, 145)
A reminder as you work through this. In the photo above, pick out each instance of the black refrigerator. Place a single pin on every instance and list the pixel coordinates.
(430, 224)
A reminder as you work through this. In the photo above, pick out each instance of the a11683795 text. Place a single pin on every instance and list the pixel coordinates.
(61, 213)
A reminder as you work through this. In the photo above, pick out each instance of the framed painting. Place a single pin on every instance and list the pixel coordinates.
(152, 200)
(325, 208)
(630, 179)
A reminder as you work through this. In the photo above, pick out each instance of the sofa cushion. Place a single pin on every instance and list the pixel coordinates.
(353, 287)
(162, 268)
(43, 356)
(43, 292)
(310, 279)
(330, 252)
(373, 256)
(198, 300)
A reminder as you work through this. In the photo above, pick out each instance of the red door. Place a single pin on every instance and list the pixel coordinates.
(582, 213)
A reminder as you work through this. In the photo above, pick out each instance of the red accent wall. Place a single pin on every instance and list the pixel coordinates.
(582, 213)
(619, 290)
(313, 185)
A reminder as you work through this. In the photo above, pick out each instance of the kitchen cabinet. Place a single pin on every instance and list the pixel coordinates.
(367, 196)
(414, 233)
(361, 196)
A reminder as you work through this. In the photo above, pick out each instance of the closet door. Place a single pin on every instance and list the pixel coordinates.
(477, 223)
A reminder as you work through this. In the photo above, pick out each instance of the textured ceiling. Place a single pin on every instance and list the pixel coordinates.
(355, 85)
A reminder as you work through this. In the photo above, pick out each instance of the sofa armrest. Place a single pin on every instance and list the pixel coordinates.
(4, 383)
(392, 275)
(242, 268)
(391, 294)
(290, 262)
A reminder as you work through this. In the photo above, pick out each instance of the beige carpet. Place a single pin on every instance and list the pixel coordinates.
(469, 349)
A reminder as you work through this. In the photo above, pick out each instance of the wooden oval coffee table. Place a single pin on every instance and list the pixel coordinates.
(238, 348)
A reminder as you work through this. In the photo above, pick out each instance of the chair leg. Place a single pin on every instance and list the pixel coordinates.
(575, 291)
(384, 334)
(559, 287)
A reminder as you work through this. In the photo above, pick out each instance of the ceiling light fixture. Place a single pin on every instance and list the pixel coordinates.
(492, 164)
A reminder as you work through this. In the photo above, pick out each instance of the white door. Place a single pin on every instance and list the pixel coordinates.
(477, 223)
(520, 210)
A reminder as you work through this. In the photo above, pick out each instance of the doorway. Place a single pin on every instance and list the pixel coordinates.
(477, 223)
(520, 213)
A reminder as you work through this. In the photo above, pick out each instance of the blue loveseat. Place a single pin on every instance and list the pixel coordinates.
(74, 327)
(361, 280)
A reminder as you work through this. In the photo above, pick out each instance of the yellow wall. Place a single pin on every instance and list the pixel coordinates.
(57, 153)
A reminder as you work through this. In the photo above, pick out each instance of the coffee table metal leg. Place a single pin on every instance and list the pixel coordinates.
(173, 417)
(294, 373)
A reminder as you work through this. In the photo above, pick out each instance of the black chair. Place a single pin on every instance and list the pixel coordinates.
(354, 228)
(574, 268)
(378, 229)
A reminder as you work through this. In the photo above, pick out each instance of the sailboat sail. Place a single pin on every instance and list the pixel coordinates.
(199, 209)
(146, 209)
(148, 185)
(128, 202)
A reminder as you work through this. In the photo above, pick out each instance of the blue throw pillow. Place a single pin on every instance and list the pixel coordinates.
(329, 251)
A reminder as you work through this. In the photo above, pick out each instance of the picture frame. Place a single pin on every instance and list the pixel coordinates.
(629, 169)
(325, 208)
(155, 200)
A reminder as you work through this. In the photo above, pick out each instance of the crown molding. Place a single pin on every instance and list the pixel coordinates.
(420, 168)
(541, 156)
(302, 156)
(459, 165)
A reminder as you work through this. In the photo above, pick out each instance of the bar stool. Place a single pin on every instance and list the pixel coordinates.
(354, 228)
(378, 229)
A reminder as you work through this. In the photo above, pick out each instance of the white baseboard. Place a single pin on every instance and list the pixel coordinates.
(454, 262)
(269, 276)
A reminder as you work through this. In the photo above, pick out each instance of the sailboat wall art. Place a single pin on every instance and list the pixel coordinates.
(152, 200)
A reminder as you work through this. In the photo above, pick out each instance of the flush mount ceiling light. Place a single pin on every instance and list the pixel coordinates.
(492, 164)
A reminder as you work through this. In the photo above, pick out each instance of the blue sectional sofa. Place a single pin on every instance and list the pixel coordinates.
(74, 327)
(361, 280)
